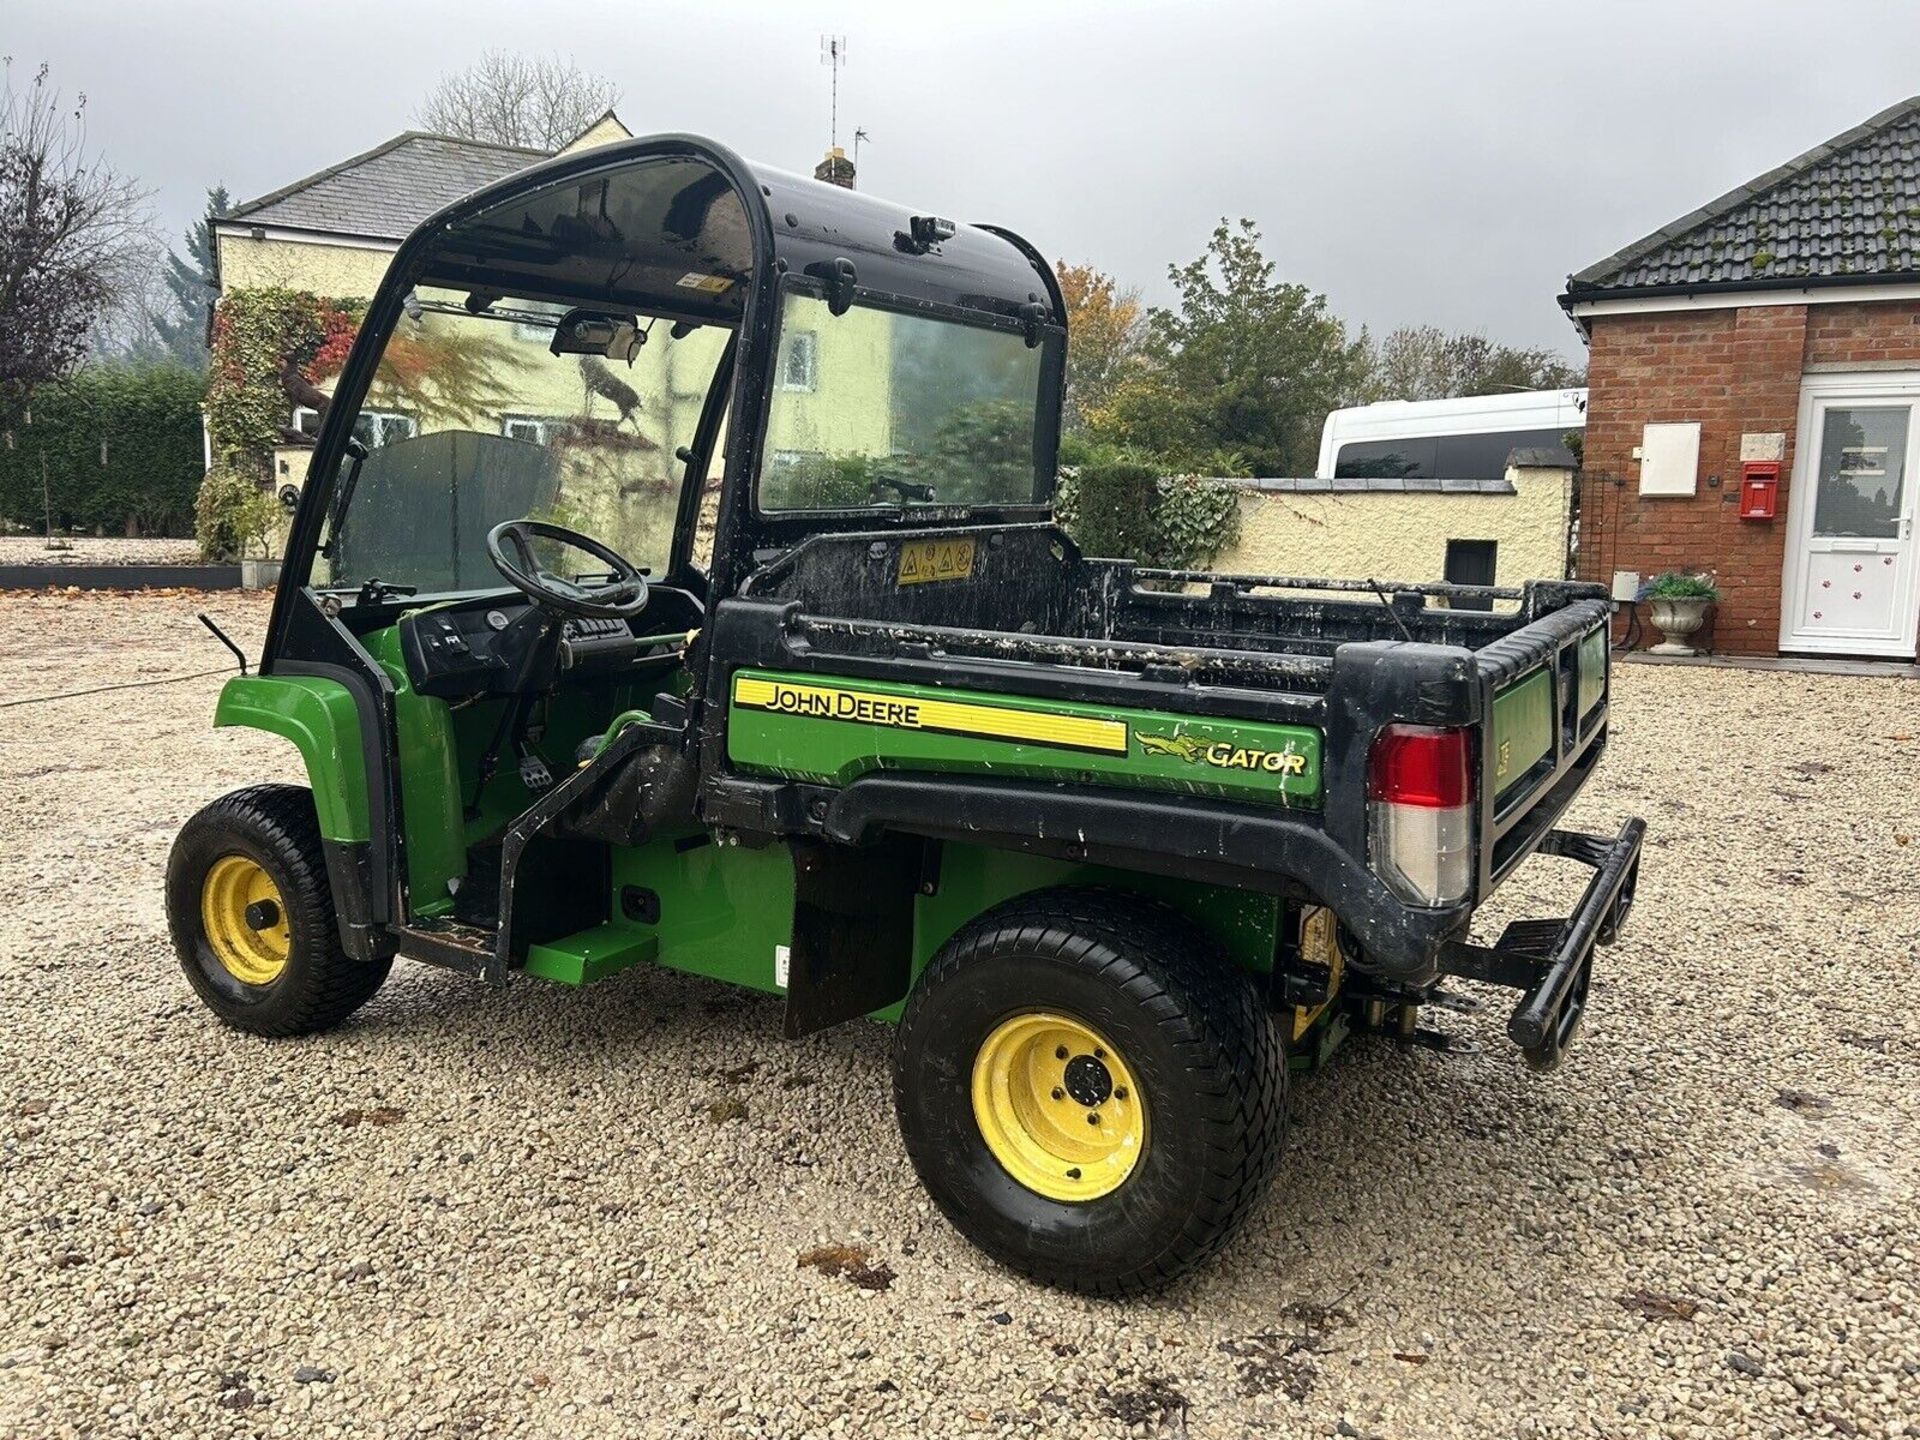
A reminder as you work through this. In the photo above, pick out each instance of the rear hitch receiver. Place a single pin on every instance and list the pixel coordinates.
(1551, 961)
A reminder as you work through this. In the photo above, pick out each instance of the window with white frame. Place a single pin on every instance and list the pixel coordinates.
(534, 429)
(800, 361)
(372, 428)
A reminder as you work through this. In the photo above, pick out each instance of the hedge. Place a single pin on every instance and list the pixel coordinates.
(1124, 506)
(122, 447)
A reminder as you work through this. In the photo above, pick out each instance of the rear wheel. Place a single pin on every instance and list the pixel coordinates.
(1089, 1089)
(252, 916)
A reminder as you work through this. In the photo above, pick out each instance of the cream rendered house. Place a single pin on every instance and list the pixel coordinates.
(335, 232)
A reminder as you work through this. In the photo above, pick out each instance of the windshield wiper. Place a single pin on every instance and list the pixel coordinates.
(906, 489)
(339, 508)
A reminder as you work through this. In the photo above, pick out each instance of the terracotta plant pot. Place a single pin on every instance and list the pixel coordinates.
(1678, 617)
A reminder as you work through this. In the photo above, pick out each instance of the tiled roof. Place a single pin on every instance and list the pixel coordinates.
(1845, 209)
(385, 192)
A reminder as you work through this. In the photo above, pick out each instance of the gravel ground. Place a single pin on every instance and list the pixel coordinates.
(559, 1213)
(32, 550)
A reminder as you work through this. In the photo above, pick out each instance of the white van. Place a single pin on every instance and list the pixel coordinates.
(1465, 439)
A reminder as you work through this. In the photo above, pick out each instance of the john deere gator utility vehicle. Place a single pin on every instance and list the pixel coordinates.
(676, 584)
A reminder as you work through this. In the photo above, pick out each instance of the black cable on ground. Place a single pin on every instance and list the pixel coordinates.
(103, 689)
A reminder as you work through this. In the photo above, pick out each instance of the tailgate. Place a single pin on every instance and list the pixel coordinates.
(1546, 728)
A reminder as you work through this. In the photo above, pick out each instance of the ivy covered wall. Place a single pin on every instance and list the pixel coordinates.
(268, 344)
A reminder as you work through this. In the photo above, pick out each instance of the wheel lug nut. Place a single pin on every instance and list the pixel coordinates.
(1060, 1053)
(1120, 1093)
(1058, 1093)
(1093, 1118)
(1098, 1053)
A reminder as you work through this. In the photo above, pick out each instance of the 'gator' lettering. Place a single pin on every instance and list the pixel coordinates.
(1238, 757)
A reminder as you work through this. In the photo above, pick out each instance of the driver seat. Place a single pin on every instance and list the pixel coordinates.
(649, 782)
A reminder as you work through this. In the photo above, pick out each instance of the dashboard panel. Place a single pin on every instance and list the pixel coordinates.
(492, 646)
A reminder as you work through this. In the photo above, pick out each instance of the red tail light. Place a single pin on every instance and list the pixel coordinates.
(1420, 765)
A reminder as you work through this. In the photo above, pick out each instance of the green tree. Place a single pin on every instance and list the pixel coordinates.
(1424, 362)
(1245, 364)
(180, 330)
(1104, 325)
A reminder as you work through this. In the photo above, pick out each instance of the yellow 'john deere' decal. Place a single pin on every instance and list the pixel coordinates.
(924, 560)
(911, 712)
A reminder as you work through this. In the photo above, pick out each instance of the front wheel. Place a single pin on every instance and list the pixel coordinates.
(1090, 1091)
(252, 916)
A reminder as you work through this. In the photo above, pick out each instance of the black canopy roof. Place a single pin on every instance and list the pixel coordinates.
(680, 224)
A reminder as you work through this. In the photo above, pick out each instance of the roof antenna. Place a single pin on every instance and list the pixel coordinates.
(859, 135)
(833, 52)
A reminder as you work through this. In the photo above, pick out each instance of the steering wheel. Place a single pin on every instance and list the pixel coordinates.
(510, 548)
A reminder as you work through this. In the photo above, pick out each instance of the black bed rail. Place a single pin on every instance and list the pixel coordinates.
(1539, 641)
(1175, 664)
(1433, 589)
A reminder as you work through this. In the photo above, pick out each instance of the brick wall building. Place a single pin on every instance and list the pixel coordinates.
(1790, 305)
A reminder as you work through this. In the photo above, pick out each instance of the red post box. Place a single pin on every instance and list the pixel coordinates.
(1759, 489)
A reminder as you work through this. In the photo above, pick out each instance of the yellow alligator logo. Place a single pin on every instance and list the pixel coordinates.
(1184, 746)
(1226, 755)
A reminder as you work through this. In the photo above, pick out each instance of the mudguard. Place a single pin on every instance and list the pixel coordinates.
(320, 718)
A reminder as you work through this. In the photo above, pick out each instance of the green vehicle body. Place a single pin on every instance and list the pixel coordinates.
(733, 904)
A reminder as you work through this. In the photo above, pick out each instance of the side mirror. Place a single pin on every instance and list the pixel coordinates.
(597, 332)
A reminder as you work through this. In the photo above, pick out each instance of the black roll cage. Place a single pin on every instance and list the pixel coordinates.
(982, 275)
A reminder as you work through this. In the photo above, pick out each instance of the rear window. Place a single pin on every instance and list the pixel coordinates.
(884, 409)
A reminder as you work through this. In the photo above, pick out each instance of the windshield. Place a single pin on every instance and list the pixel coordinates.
(882, 408)
(470, 421)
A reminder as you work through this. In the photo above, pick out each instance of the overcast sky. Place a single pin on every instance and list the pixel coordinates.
(1444, 163)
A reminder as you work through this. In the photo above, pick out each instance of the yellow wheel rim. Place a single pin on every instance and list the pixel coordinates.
(245, 920)
(1058, 1107)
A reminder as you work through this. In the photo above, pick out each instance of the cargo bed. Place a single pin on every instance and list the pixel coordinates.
(1522, 670)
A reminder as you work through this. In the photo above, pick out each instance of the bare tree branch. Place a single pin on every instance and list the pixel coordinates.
(509, 99)
(75, 236)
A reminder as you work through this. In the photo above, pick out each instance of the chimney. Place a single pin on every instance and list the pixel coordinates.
(836, 169)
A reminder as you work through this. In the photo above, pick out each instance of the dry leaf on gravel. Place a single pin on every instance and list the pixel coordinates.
(854, 1262)
(1804, 1102)
(1656, 1306)
(379, 1115)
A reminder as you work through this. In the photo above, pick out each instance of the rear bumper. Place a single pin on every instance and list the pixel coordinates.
(1551, 961)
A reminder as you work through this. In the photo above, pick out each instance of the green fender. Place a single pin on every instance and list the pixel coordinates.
(319, 717)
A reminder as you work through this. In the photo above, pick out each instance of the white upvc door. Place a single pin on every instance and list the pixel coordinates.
(1850, 583)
